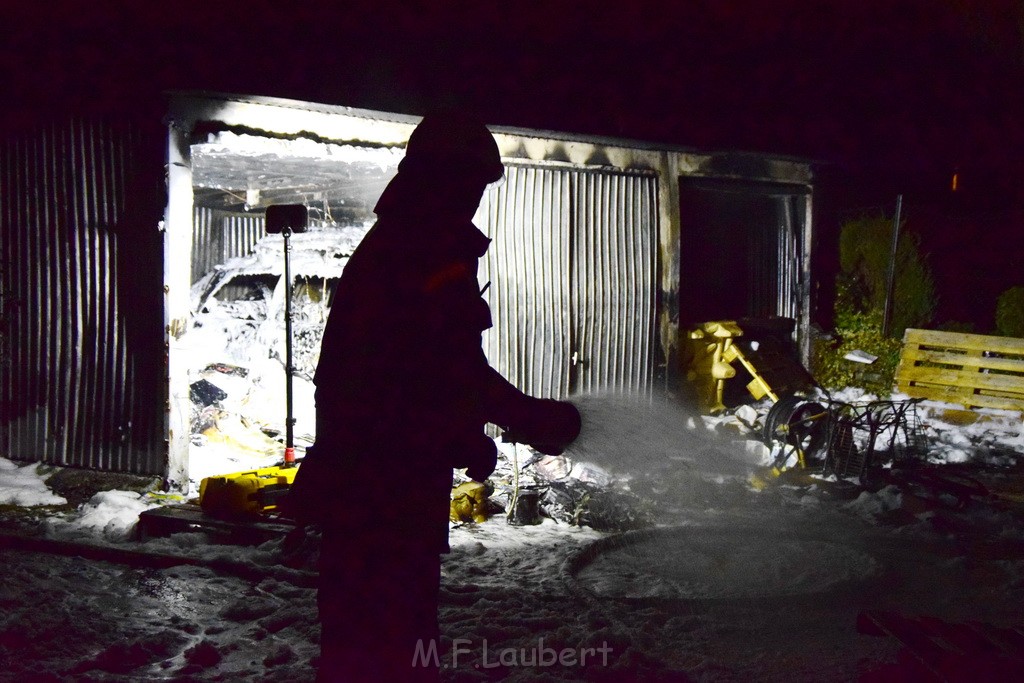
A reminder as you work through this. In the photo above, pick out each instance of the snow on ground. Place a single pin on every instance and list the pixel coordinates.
(112, 515)
(737, 582)
(21, 485)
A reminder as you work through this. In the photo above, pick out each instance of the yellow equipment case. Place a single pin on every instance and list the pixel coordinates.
(246, 494)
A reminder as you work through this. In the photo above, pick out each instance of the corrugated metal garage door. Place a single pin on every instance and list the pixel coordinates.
(613, 286)
(79, 378)
(571, 273)
(528, 266)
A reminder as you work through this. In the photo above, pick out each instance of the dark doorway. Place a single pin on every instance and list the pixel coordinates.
(740, 250)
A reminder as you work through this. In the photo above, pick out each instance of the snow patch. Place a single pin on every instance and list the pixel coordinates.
(727, 563)
(746, 556)
(22, 485)
(113, 515)
(872, 505)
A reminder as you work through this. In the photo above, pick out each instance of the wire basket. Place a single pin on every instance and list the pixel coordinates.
(846, 439)
(870, 434)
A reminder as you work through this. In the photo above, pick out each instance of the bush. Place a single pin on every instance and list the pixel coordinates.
(860, 331)
(1010, 313)
(861, 287)
(864, 249)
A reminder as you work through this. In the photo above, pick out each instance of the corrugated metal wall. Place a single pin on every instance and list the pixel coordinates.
(573, 275)
(68, 386)
(528, 268)
(773, 279)
(788, 250)
(572, 279)
(218, 236)
(614, 281)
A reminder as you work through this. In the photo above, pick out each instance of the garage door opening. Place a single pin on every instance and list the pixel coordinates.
(234, 345)
(744, 257)
(742, 245)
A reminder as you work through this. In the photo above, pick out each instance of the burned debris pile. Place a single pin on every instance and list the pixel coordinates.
(527, 486)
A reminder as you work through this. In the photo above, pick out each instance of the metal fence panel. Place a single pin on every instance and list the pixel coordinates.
(789, 258)
(218, 236)
(774, 281)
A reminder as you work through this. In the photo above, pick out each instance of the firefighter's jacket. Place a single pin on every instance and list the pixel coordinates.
(403, 388)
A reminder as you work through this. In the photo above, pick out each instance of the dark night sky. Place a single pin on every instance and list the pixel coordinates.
(888, 96)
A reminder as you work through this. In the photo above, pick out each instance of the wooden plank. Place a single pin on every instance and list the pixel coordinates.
(1013, 384)
(965, 391)
(169, 519)
(988, 381)
(947, 394)
(964, 340)
(967, 388)
(956, 395)
(912, 356)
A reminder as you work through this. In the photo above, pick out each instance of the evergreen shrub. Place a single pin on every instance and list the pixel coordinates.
(864, 248)
(1010, 313)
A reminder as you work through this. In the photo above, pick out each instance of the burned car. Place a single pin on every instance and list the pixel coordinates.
(236, 342)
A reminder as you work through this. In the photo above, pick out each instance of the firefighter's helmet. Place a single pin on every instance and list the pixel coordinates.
(453, 143)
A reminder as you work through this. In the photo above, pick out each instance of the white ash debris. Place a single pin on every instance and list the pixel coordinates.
(321, 252)
(553, 467)
(568, 490)
(749, 417)
(743, 427)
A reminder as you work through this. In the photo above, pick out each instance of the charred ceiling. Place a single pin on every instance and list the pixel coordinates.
(240, 173)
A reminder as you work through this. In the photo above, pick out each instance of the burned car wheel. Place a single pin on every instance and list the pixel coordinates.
(799, 427)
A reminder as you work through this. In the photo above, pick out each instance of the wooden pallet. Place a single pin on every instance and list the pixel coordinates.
(974, 370)
(171, 519)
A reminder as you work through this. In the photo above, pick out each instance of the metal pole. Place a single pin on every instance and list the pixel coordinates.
(891, 282)
(289, 423)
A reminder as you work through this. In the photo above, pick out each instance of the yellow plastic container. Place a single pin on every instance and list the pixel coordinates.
(245, 494)
(469, 502)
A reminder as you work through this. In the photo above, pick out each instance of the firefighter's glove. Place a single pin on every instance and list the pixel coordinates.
(479, 456)
(549, 429)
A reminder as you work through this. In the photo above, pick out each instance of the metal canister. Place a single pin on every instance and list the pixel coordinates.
(525, 509)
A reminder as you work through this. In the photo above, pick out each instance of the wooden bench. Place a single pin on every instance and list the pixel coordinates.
(974, 370)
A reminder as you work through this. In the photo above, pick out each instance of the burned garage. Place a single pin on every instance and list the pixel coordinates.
(604, 253)
(650, 341)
